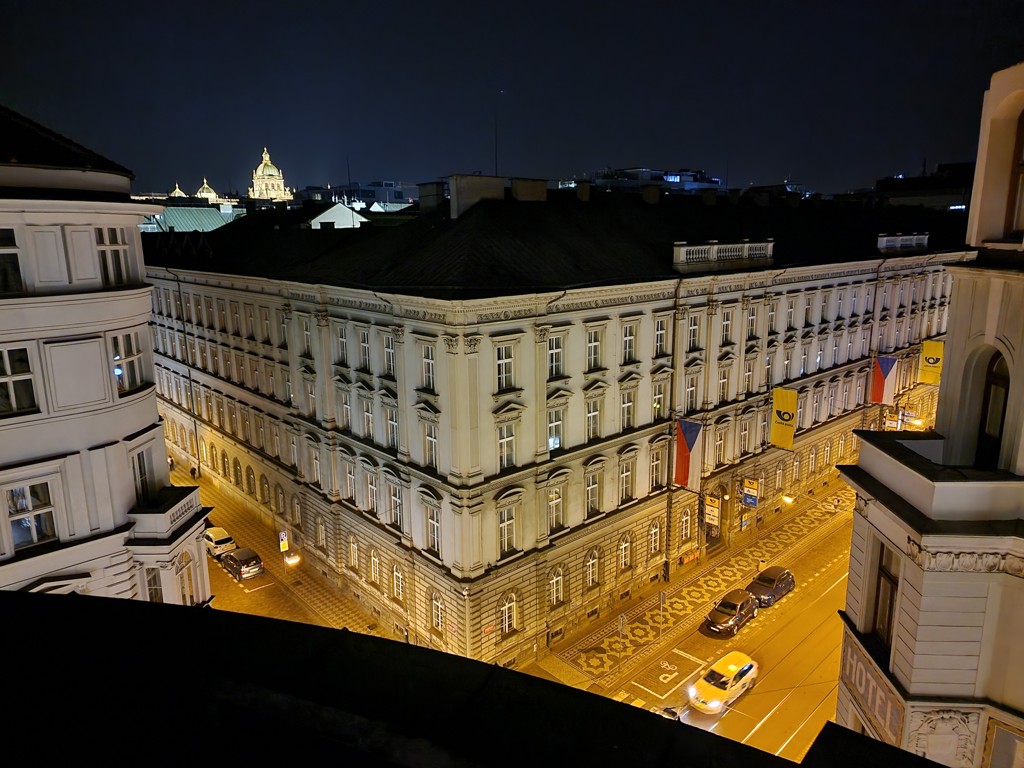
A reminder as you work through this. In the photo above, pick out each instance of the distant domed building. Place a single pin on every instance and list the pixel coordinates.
(177, 191)
(207, 192)
(268, 181)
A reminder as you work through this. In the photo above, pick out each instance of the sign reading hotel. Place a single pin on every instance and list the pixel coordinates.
(875, 697)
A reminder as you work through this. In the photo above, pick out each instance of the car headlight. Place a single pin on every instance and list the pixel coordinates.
(716, 704)
(692, 691)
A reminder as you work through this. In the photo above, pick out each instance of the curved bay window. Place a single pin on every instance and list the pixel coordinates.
(1015, 199)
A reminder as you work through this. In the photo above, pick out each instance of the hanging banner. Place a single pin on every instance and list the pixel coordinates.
(931, 362)
(750, 492)
(712, 510)
(883, 381)
(688, 454)
(783, 417)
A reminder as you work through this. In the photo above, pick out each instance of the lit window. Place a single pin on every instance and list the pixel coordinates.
(506, 446)
(397, 583)
(554, 357)
(593, 350)
(625, 552)
(591, 573)
(437, 612)
(127, 363)
(592, 492)
(503, 362)
(506, 530)
(628, 343)
(556, 585)
(507, 614)
(555, 429)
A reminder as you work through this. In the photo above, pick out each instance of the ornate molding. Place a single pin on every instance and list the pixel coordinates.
(944, 724)
(321, 318)
(965, 562)
(398, 331)
(473, 343)
(542, 332)
(451, 344)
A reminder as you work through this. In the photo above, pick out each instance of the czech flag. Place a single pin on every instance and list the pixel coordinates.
(883, 381)
(688, 454)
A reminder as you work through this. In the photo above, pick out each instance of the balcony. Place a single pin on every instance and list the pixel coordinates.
(168, 508)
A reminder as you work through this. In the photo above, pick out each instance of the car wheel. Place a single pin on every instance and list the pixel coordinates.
(754, 614)
(753, 682)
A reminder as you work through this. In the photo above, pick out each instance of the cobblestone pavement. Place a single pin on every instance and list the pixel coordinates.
(606, 651)
(249, 527)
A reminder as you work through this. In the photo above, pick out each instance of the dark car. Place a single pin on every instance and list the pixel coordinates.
(732, 612)
(771, 584)
(242, 563)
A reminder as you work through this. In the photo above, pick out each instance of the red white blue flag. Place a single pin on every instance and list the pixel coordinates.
(883, 381)
(688, 454)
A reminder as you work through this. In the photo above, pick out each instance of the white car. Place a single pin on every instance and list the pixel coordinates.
(723, 682)
(218, 541)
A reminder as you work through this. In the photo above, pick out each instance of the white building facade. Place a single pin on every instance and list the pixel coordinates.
(83, 472)
(491, 475)
(932, 658)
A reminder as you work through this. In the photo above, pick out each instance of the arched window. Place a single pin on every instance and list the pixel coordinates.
(812, 461)
(321, 533)
(192, 444)
(796, 468)
(827, 454)
(654, 537)
(625, 552)
(353, 553)
(296, 512)
(993, 413)
(556, 586)
(279, 505)
(591, 569)
(397, 583)
(203, 456)
(507, 618)
(236, 472)
(223, 463)
(437, 612)
(374, 566)
(842, 446)
(250, 481)
(264, 490)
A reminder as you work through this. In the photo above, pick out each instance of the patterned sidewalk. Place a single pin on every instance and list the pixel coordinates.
(248, 528)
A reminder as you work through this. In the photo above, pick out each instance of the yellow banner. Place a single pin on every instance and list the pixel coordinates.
(931, 362)
(712, 510)
(783, 417)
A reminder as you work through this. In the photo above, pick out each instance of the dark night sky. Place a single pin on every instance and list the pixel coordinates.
(830, 94)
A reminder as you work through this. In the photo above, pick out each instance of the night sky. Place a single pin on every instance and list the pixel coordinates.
(832, 95)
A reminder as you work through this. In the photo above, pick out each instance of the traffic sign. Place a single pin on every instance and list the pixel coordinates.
(283, 538)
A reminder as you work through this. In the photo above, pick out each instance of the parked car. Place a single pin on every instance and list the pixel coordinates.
(732, 612)
(723, 682)
(242, 563)
(771, 584)
(218, 541)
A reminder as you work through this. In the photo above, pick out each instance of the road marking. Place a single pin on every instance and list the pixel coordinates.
(257, 589)
(684, 654)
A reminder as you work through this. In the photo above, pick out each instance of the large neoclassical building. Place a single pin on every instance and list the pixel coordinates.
(932, 655)
(467, 421)
(267, 182)
(83, 475)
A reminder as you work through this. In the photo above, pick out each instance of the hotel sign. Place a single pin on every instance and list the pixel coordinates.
(874, 695)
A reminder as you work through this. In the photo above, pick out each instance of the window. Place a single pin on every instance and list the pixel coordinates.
(752, 322)
(625, 552)
(154, 590)
(771, 317)
(658, 400)
(367, 419)
(593, 419)
(437, 612)
(506, 446)
(250, 322)
(727, 327)
(627, 486)
(430, 444)
(555, 429)
(321, 533)
(790, 310)
(127, 353)
(428, 368)
(306, 336)
(691, 393)
(796, 468)
(556, 584)
(554, 357)
(812, 460)
(748, 376)
(693, 333)
(30, 514)
(112, 247)
(591, 572)
(628, 399)
(397, 583)
(350, 480)
(593, 349)
(723, 384)
(371, 492)
(395, 505)
(506, 530)
(885, 598)
(654, 538)
(434, 529)
(364, 350)
(507, 614)
(744, 437)
(684, 525)
(310, 398)
(389, 355)
(657, 467)
(503, 363)
(592, 492)
(660, 337)
(10, 270)
(556, 517)
(17, 391)
(342, 346)
(374, 567)
(391, 417)
(719, 447)
(628, 344)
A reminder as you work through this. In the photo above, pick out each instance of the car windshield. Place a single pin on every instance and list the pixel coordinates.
(716, 679)
(766, 581)
(726, 607)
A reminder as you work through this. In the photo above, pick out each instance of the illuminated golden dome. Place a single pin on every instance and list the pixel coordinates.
(268, 181)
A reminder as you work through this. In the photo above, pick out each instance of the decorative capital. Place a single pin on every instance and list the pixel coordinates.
(398, 331)
(321, 318)
(542, 332)
(451, 342)
(473, 344)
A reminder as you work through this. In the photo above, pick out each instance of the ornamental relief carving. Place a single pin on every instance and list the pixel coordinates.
(472, 344)
(947, 736)
(451, 343)
(964, 562)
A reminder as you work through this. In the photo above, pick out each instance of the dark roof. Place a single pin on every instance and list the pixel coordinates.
(506, 247)
(227, 683)
(25, 142)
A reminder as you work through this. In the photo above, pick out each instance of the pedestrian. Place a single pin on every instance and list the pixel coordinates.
(192, 471)
(170, 463)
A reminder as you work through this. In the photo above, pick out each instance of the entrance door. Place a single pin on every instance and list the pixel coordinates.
(993, 412)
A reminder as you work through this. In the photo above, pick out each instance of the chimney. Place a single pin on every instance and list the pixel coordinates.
(651, 193)
(467, 191)
(431, 195)
(530, 190)
(583, 191)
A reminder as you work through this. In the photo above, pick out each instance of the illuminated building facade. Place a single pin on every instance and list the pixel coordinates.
(83, 475)
(932, 657)
(466, 421)
(267, 182)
